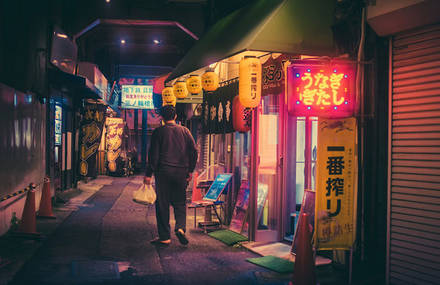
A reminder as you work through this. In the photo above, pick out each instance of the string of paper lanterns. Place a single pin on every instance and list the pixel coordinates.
(249, 87)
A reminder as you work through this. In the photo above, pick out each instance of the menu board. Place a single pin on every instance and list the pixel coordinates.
(240, 210)
(217, 187)
(239, 222)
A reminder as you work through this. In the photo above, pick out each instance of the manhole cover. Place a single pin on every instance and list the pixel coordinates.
(95, 270)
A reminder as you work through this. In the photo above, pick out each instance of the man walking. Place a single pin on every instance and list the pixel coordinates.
(172, 158)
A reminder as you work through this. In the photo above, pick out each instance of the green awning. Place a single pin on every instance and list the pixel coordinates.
(282, 26)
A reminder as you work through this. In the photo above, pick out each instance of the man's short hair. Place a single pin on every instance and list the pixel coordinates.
(168, 112)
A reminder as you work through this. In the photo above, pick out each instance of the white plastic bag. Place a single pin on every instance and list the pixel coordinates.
(145, 195)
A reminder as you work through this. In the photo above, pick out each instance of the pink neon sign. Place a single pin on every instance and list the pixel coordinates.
(320, 90)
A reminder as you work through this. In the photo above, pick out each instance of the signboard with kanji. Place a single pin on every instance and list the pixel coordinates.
(137, 97)
(322, 90)
(273, 75)
(335, 215)
(115, 131)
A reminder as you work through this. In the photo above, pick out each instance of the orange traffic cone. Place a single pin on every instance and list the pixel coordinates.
(46, 201)
(304, 273)
(28, 220)
(196, 193)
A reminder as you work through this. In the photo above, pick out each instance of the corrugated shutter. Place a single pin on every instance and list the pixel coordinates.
(414, 227)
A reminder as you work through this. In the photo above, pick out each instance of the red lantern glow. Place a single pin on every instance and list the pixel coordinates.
(320, 90)
(240, 116)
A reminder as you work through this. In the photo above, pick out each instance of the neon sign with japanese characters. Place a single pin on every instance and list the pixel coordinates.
(320, 90)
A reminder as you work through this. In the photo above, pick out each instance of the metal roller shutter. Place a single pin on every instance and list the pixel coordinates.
(414, 221)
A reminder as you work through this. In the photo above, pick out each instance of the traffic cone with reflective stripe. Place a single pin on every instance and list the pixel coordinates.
(46, 201)
(28, 220)
(304, 271)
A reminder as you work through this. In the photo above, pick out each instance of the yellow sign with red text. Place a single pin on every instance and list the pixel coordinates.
(336, 187)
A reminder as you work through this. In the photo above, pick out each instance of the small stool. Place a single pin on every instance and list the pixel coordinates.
(206, 205)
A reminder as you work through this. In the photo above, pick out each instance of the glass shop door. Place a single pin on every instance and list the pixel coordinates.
(300, 167)
(267, 170)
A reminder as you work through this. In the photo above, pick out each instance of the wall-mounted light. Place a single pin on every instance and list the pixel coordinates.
(108, 1)
(123, 42)
(156, 41)
(64, 36)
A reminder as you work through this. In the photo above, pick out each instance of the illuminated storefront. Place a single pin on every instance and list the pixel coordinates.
(277, 158)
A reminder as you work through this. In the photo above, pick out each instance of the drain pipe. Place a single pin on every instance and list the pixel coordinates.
(361, 135)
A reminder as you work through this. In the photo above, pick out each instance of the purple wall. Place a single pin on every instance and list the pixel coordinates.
(22, 148)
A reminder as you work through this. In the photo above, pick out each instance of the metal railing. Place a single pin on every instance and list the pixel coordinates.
(31, 186)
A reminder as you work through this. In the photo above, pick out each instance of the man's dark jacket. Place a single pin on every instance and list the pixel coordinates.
(172, 146)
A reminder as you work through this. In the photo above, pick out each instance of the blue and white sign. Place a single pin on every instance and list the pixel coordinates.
(137, 97)
(217, 187)
(58, 124)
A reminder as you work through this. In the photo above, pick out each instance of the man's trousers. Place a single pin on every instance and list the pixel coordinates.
(171, 186)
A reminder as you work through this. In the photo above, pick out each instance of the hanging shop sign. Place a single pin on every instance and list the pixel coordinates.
(336, 184)
(273, 75)
(320, 90)
(58, 124)
(210, 81)
(137, 97)
(217, 110)
(91, 129)
(249, 89)
(115, 130)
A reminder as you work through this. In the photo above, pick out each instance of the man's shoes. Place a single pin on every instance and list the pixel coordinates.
(181, 236)
(158, 241)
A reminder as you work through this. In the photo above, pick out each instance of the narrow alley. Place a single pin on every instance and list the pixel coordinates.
(105, 240)
(289, 142)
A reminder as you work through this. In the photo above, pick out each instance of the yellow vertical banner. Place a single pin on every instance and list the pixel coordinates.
(336, 184)
(115, 130)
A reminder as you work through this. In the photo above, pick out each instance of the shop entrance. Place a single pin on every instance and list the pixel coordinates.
(300, 167)
(269, 168)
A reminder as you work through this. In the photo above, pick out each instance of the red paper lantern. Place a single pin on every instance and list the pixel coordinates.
(241, 116)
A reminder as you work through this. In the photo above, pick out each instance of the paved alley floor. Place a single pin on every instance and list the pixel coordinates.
(105, 240)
